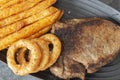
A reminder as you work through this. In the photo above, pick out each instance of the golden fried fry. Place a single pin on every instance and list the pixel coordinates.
(18, 25)
(10, 3)
(45, 30)
(62, 12)
(26, 67)
(40, 33)
(17, 8)
(37, 9)
(55, 53)
(2, 2)
(28, 30)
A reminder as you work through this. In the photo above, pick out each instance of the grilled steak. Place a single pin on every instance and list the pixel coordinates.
(67, 68)
(87, 44)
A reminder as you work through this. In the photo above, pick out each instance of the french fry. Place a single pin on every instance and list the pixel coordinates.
(17, 8)
(45, 30)
(38, 8)
(20, 24)
(28, 30)
(10, 3)
(60, 16)
(40, 33)
(2, 2)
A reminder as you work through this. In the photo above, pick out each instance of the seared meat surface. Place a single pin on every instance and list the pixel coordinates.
(67, 68)
(92, 42)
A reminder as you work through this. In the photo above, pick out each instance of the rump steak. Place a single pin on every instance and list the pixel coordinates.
(88, 44)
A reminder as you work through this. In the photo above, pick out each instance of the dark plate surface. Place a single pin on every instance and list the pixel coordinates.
(83, 9)
(93, 8)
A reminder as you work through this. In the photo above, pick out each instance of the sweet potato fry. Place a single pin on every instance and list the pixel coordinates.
(38, 8)
(17, 8)
(40, 33)
(28, 30)
(10, 3)
(20, 24)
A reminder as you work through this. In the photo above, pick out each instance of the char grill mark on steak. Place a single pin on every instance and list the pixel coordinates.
(93, 42)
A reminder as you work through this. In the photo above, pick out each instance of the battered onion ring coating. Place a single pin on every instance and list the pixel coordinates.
(20, 56)
(45, 54)
(55, 53)
(6, 12)
(28, 67)
(27, 13)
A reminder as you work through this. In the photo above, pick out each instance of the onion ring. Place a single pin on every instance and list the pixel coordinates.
(37, 9)
(45, 54)
(55, 53)
(20, 57)
(28, 67)
(18, 25)
(17, 8)
(28, 30)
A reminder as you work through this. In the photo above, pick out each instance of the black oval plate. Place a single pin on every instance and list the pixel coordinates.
(83, 9)
(93, 8)
(87, 8)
